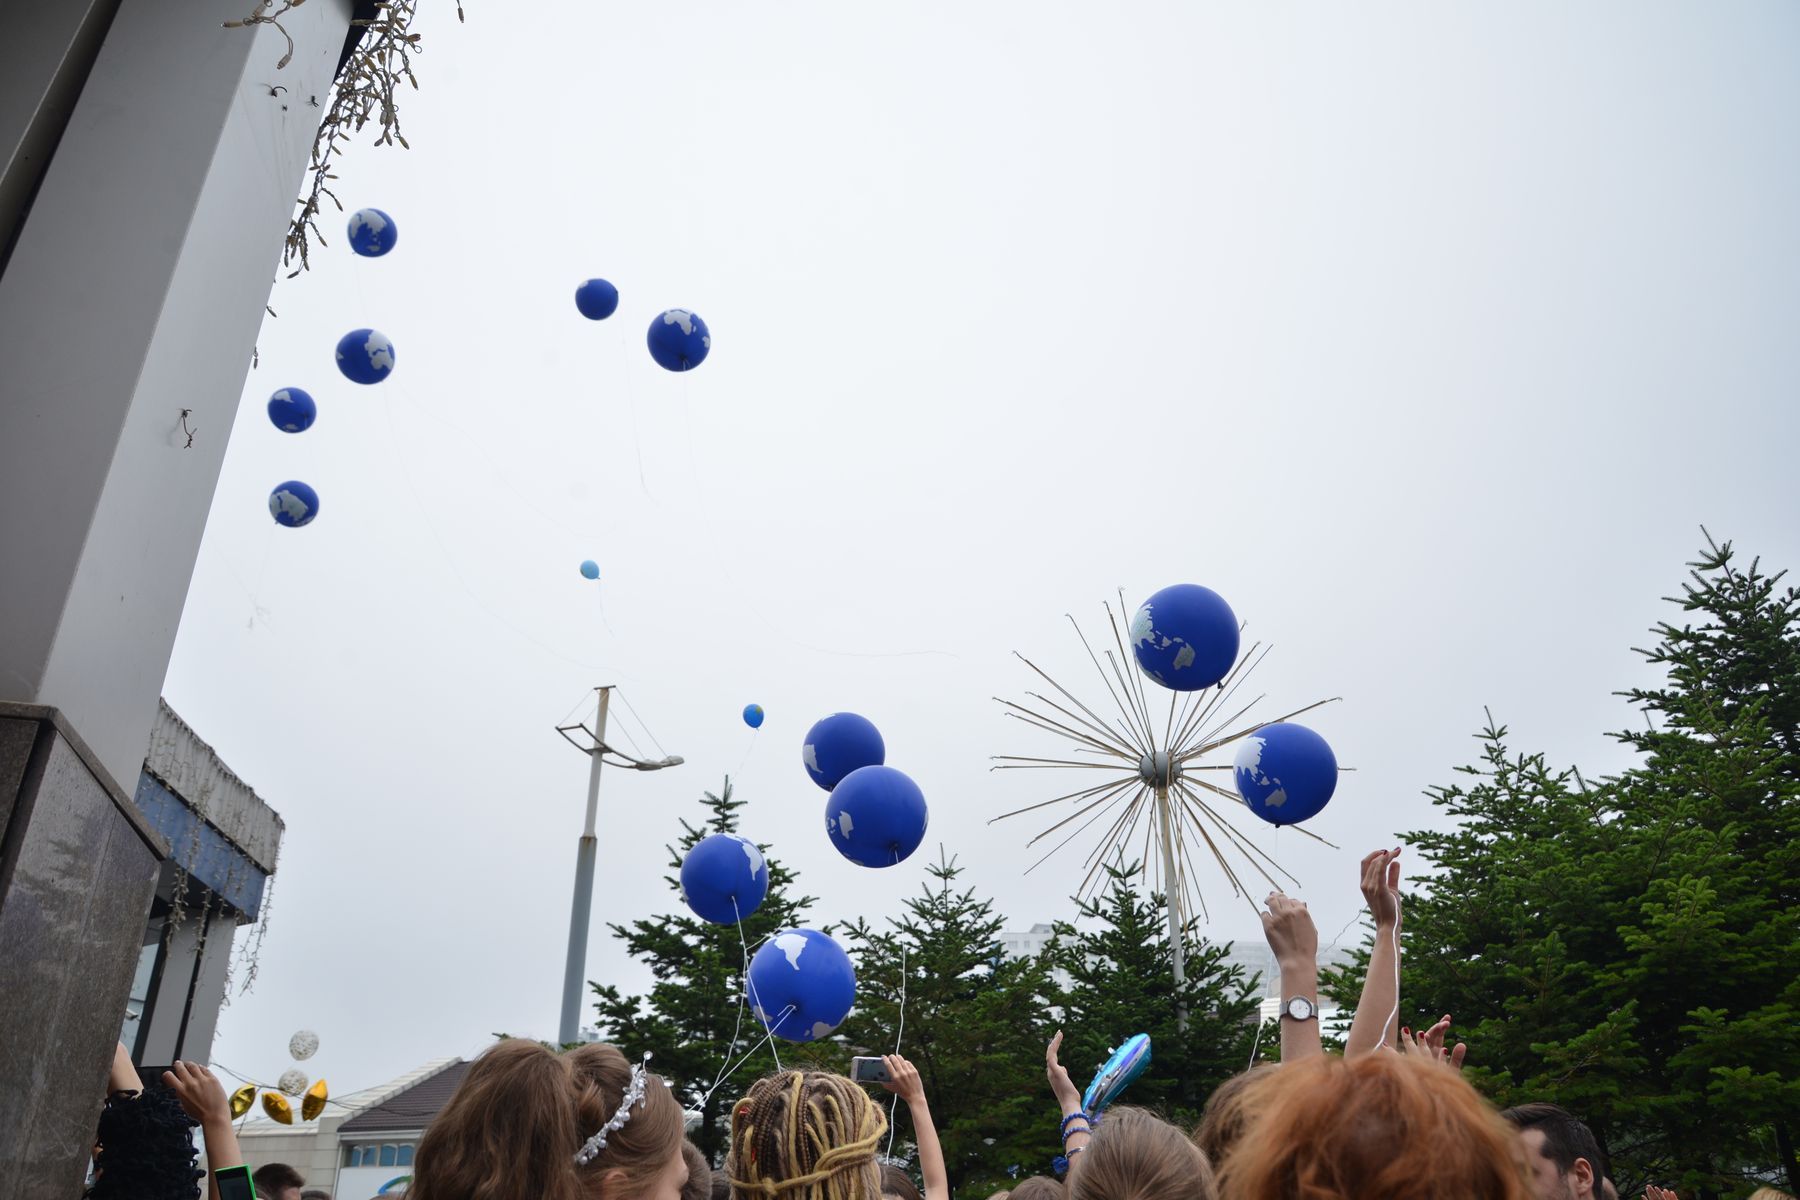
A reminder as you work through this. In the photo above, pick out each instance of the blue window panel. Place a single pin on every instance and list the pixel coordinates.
(199, 849)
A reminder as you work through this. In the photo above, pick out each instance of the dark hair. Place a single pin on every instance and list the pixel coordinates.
(146, 1149)
(699, 1184)
(896, 1182)
(721, 1186)
(272, 1177)
(1566, 1137)
(1134, 1154)
(315, 1194)
(1039, 1187)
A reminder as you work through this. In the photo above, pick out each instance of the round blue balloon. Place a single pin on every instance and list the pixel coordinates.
(840, 744)
(1185, 637)
(365, 356)
(876, 816)
(802, 985)
(293, 504)
(679, 340)
(597, 299)
(724, 878)
(753, 715)
(1286, 773)
(372, 232)
(590, 569)
(292, 410)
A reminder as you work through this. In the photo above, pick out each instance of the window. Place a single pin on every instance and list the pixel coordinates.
(388, 1155)
(406, 1155)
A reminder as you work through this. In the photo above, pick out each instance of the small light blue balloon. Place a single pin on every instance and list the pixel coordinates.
(753, 715)
(590, 569)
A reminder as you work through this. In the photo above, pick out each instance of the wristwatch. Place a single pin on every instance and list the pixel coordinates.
(1300, 1009)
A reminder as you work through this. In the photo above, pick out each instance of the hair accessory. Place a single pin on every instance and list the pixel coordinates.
(634, 1096)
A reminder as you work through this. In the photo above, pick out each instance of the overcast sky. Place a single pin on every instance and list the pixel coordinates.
(1428, 335)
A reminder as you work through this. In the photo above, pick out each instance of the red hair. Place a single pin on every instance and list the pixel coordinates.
(1380, 1127)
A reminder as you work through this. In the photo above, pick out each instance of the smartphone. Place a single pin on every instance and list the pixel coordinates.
(869, 1070)
(234, 1183)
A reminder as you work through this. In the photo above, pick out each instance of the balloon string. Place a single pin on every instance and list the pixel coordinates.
(748, 751)
(900, 1032)
(768, 1038)
(743, 1001)
(750, 985)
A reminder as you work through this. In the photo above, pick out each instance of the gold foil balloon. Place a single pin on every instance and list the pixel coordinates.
(242, 1099)
(314, 1104)
(276, 1105)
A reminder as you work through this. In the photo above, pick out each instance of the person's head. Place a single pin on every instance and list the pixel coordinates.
(1133, 1154)
(896, 1184)
(805, 1135)
(1040, 1187)
(1565, 1160)
(1380, 1126)
(699, 1184)
(522, 1114)
(277, 1181)
(1227, 1113)
(315, 1194)
(1769, 1193)
(721, 1186)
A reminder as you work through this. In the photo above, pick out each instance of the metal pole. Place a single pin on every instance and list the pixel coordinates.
(1172, 902)
(583, 904)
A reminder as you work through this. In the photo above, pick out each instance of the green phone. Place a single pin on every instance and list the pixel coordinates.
(235, 1183)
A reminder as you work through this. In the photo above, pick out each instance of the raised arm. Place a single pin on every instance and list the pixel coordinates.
(202, 1097)
(123, 1076)
(1294, 939)
(1377, 1013)
(904, 1082)
(1075, 1125)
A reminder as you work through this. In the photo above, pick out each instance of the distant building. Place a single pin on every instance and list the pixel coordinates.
(364, 1144)
(1030, 944)
(222, 845)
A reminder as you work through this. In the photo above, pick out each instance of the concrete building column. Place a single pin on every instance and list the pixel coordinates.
(133, 290)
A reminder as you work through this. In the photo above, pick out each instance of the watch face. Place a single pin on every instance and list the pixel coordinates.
(1300, 1008)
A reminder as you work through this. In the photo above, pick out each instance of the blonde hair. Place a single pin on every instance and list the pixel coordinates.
(1769, 1193)
(1380, 1127)
(805, 1133)
(511, 1130)
(1134, 1154)
(1228, 1112)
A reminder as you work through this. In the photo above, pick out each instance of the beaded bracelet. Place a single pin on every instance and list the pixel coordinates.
(1077, 1116)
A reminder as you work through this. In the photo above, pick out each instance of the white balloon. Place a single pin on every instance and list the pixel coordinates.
(303, 1045)
(293, 1081)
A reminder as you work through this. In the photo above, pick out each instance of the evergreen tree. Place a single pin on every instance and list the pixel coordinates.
(1122, 982)
(695, 1005)
(1630, 949)
(974, 1025)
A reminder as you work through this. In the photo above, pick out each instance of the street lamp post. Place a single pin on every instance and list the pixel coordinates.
(586, 852)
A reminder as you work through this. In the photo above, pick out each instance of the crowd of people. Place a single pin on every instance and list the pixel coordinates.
(1391, 1118)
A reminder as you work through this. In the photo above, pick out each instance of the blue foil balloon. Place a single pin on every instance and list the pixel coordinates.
(679, 340)
(293, 504)
(372, 232)
(597, 299)
(724, 878)
(1286, 773)
(753, 715)
(365, 356)
(590, 569)
(876, 816)
(292, 410)
(1119, 1072)
(840, 744)
(1185, 637)
(802, 985)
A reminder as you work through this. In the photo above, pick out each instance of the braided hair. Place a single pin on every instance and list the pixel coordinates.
(146, 1149)
(808, 1135)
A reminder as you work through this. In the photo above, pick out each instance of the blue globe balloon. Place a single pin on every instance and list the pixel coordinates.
(293, 504)
(590, 569)
(1286, 773)
(365, 356)
(679, 340)
(876, 816)
(597, 299)
(292, 410)
(372, 232)
(724, 878)
(840, 744)
(1185, 637)
(753, 715)
(802, 985)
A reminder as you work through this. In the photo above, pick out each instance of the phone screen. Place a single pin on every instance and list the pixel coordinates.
(868, 1070)
(234, 1183)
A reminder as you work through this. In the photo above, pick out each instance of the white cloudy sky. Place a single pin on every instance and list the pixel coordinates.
(1429, 335)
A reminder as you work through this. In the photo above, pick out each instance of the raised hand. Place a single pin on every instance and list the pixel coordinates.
(1290, 930)
(1061, 1086)
(903, 1080)
(1430, 1044)
(201, 1094)
(1381, 887)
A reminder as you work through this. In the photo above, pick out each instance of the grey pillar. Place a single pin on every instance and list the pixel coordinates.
(133, 289)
